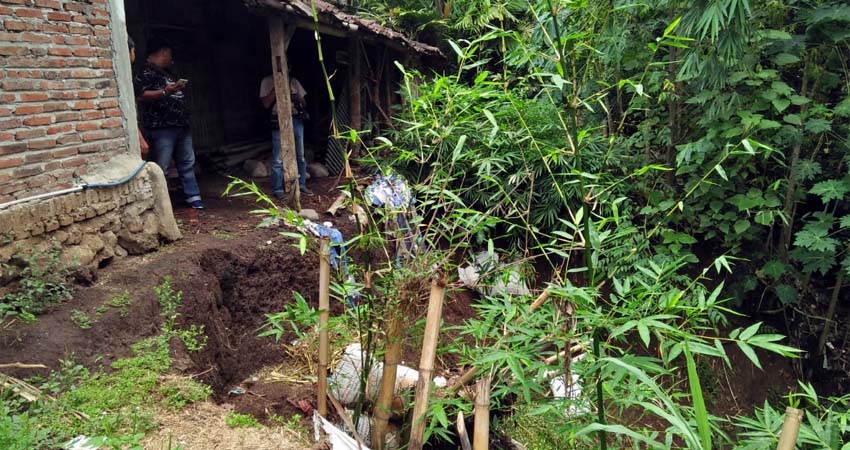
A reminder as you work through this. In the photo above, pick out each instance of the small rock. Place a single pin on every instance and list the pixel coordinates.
(256, 169)
(138, 243)
(317, 170)
(309, 214)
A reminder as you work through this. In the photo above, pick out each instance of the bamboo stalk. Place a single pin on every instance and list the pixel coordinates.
(392, 358)
(481, 435)
(790, 429)
(470, 374)
(573, 350)
(324, 315)
(462, 434)
(830, 313)
(426, 361)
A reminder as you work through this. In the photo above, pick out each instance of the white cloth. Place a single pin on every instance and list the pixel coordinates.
(267, 86)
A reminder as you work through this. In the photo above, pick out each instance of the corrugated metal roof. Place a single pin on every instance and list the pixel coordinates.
(331, 15)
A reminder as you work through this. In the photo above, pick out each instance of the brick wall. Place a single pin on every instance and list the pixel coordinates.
(59, 107)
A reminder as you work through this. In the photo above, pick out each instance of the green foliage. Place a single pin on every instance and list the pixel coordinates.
(236, 420)
(169, 301)
(42, 284)
(122, 303)
(114, 409)
(81, 319)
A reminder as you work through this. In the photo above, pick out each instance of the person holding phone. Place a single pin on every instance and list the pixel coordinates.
(165, 117)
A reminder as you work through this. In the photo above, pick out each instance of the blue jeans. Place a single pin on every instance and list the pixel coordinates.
(176, 143)
(277, 160)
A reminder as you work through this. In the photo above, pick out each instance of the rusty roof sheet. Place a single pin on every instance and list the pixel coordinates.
(331, 15)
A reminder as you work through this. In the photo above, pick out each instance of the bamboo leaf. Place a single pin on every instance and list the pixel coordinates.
(703, 425)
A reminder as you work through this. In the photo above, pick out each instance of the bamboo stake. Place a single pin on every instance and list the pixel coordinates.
(392, 358)
(470, 374)
(346, 419)
(426, 362)
(790, 429)
(324, 315)
(18, 365)
(462, 434)
(481, 435)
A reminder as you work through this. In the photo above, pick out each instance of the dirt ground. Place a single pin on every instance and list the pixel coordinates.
(231, 274)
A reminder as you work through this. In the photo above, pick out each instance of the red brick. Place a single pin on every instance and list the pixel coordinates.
(55, 106)
(60, 51)
(13, 50)
(6, 136)
(88, 126)
(81, 19)
(112, 123)
(64, 128)
(73, 138)
(102, 63)
(75, 162)
(33, 97)
(93, 115)
(59, 16)
(79, 29)
(28, 109)
(107, 104)
(75, 6)
(9, 37)
(99, 22)
(16, 2)
(84, 52)
(9, 149)
(63, 152)
(5, 112)
(11, 162)
(54, 27)
(9, 124)
(94, 136)
(16, 25)
(87, 95)
(4, 11)
(18, 85)
(76, 40)
(41, 144)
(67, 117)
(27, 171)
(83, 73)
(88, 104)
(7, 98)
(38, 121)
(113, 112)
(24, 135)
(29, 13)
(36, 38)
(35, 157)
(52, 4)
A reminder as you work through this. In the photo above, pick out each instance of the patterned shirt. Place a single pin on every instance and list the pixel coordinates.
(170, 111)
(298, 93)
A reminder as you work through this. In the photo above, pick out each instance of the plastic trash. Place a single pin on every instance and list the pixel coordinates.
(509, 281)
(237, 391)
(84, 443)
(561, 390)
(344, 382)
(337, 438)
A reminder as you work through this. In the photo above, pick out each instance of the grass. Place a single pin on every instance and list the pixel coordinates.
(236, 420)
(81, 319)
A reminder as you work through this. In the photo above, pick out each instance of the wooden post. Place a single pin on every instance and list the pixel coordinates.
(355, 86)
(324, 315)
(426, 362)
(279, 37)
(790, 429)
(392, 358)
(481, 435)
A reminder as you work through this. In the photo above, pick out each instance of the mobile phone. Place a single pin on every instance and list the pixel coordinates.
(183, 82)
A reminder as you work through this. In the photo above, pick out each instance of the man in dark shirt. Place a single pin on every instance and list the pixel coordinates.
(165, 117)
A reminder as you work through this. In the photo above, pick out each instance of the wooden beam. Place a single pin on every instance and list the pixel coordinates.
(355, 79)
(280, 67)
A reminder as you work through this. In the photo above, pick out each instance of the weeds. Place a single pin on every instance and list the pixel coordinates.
(236, 420)
(42, 284)
(123, 303)
(81, 319)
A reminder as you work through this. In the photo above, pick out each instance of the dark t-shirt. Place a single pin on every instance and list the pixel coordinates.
(170, 111)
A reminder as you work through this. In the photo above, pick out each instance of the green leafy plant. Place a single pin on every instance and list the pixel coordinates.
(236, 420)
(81, 319)
(41, 284)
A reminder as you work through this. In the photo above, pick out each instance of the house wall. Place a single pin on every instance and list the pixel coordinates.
(67, 117)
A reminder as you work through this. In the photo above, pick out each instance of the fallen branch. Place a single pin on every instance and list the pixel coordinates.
(18, 365)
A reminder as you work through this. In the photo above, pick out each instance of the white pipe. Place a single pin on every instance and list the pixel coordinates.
(41, 197)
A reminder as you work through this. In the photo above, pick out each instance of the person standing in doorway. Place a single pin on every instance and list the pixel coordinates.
(143, 144)
(165, 116)
(299, 115)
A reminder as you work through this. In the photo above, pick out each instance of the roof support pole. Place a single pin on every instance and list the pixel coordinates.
(280, 35)
(355, 76)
